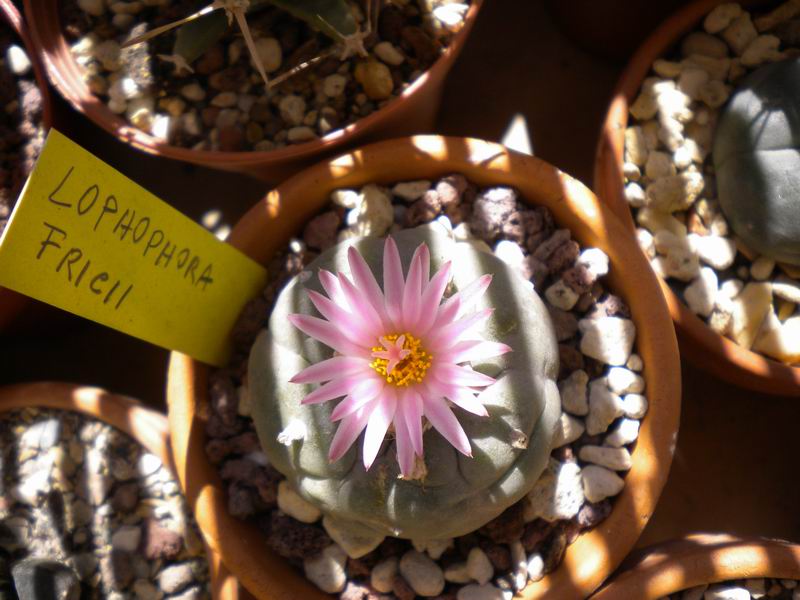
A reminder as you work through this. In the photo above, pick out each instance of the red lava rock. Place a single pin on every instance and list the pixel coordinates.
(422, 46)
(579, 279)
(569, 359)
(266, 483)
(535, 532)
(245, 443)
(217, 450)
(209, 115)
(610, 306)
(228, 80)
(450, 189)
(321, 231)
(357, 568)
(564, 322)
(125, 497)
(424, 210)
(355, 590)
(390, 24)
(241, 500)
(553, 549)
(213, 60)
(402, 590)
(160, 542)
(500, 556)
(592, 514)
(293, 539)
(506, 528)
(491, 210)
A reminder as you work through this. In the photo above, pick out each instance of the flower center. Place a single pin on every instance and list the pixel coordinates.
(401, 360)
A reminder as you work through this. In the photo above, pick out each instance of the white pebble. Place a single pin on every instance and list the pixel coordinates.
(623, 381)
(786, 288)
(762, 49)
(301, 134)
(374, 214)
(646, 242)
(457, 573)
(600, 483)
(573, 393)
(126, 538)
(726, 592)
(634, 194)
(616, 459)
(557, 494)
(333, 85)
(423, 575)
(634, 406)
(479, 566)
(409, 191)
(18, 60)
(635, 363)
(559, 294)
(326, 571)
(604, 407)
(388, 53)
(509, 252)
(382, 575)
(480, 592)
(722, 16)
(607, 339)
(519, 565)
(658, 165)
(292, 109)
(193, 92)
(568, 429)
(762, 268)
(294, 505)
(595, 261)
(96, 8)
(535, 567)
(626, 432)
(701, 294)
(269, 51)
(716, 251)
(452, 14)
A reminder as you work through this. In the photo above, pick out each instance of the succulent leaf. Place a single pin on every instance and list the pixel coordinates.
(196, 37)
(331, 17)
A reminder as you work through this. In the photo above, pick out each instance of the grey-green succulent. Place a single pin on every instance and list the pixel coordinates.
(454, 494)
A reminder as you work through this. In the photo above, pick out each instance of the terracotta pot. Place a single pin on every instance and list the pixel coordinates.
(12, 303)
(700, 559)
(414, 111)
(699, 343)
(147, 427)
(268, 226)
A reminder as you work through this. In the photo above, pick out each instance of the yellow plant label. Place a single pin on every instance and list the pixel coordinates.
(85, 238)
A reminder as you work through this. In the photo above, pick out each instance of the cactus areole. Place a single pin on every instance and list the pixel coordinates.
(757, 161)
(450, 380)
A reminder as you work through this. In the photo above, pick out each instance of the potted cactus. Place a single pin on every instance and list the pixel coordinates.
(364, 444)
(683, 160)
(256, 87)
(708, 566)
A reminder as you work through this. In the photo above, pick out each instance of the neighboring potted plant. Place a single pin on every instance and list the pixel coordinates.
(24, 127)
(295, 427)
(719, 566)
(716, 228)
(146, 427)
(334, 79)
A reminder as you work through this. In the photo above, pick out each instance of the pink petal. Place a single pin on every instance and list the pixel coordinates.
(445, 422)
(412, 413)
(393, 283)
(445, 337)
(460, 396)
(349, 324)
(450, 374)
(364, 392)
(448, 311)
(362, 307)
(431, 298)
(412, 293)
(331, 286)
(382, 415)
(467, 296)
(332, 368)
(472, 350)
(347, 432)
(332, 389)
(405, 451)
(327, 333)
(365, 282)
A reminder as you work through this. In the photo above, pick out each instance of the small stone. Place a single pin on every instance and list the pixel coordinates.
(301, 134)
(659, 164)
(718, 252)
(655, 220)
(145, 590)
(740, 33)
(674, 192)
(765, 48)
(762, 268)
(600, 483)
(17, 60)
(41, 434)
(409, 191)
(726, 592)
(694, 593)
(174, 578)
(96, 8)
(457, 573)
(44, 578)
(616, 459)
(701, 294)
(327, 571)
(721, 17)
(623, 381)
(634, 194)
(573, 393)
(595, 260)
(607, 339)
(702, 43)
(510, 253)
(269, 51)
(375, 79)
(480, 592)
(292, 109)
(321, 231)
(691, 83)
(666, 68)
(646, 242)
(560, 295)
(786, 288)
(224, 100)
(635, 146)
(714, 93)
(756, 588)
(388, 53)
(375, 213)
(626, 432)
(634, 406)
(126, 538)
(779, 340)
(635, 363)
(108, 53)
(160, 542)
(568, 429)
(423, 575)
(535, 567)
(193, 92)
(479, 567)
(290, 502)
(383, 574)
(748, 311)
(557, 493)
(334, 85)
(604, 407)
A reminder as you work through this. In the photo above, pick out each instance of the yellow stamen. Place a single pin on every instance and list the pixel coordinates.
(408, 371)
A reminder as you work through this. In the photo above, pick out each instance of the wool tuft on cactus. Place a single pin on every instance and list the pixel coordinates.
(450, 378)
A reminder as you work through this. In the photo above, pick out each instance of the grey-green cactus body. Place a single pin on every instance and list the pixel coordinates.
(458, 494)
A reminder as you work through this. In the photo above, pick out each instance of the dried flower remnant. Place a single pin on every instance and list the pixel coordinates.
(402, 354)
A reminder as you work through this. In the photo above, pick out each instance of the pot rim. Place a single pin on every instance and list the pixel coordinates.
(596, 553)
(65, 75)
(147, 427)
(698, 559)
(699, 343)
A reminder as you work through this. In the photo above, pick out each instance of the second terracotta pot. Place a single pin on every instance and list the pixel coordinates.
(268, 226)
(699, 343)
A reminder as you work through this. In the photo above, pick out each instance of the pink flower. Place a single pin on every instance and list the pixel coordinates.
(401, 354)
